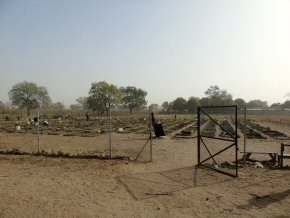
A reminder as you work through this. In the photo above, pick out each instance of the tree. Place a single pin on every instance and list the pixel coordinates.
(276, 106)
(2, 106)
(5, 106)
(103, 96)
(213, 91)
(28, 95)
(58, 106)
(286, 104)
(75, 107)
(179, 105)
(257, 104)
(154, 106)
(96, 105)
(170, 107)
(192, 104)
(218, 96)
(165, 105)
(82, 102)
(204, 102)
(133, 98)
(240, 103)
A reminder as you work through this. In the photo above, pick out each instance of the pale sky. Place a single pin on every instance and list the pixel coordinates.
(170, 48)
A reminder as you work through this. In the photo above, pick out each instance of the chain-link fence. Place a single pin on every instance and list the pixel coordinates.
(131, 135)
(262, 133)
(78, 133)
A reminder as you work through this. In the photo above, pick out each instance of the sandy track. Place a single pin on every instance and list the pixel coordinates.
(170, 186)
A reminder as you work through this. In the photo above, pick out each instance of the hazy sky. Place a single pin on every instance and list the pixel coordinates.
(169, 48)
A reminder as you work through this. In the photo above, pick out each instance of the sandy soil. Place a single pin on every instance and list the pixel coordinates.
(170, 186)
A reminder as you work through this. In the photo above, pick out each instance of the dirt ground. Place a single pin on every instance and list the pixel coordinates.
(170, 186)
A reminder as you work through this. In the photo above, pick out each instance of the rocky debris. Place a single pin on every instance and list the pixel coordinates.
(258, 165)
(120, 130)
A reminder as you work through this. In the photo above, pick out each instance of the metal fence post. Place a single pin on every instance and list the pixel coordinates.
(198, 136)
(236, 139)
(150, 134)
(245, 134)
(38, 134)
(110, 131)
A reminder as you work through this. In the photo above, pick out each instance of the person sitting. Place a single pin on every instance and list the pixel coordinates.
(35, 121)
(158, 128)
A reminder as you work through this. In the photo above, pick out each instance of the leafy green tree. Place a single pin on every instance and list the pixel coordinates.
(204, 102)
(170, 107)
(2, 106)
(227, 101)
(133, 98)
(240, 103)
(82, 102)
(5, 106)
(96, 105)
(103, 96)
(58, 106)
(179, 105)
(257, 104)
(75, 107)
(213, 91)
(192, 104)
(286, 104)
(276, 106)
(165, 105)
(28, 95)
(218, 96)
(154, 106)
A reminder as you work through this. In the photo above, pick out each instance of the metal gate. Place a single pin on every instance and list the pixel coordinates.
(218, 139)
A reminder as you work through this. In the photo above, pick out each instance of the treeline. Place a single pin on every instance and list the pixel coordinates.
(216, 96)
(101, 97)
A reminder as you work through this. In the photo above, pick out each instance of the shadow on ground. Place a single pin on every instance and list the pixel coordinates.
(264, 201)
(147, 185)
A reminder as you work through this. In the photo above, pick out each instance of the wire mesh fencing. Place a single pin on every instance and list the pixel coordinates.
(131, 134)
(264, 131)
(16, 134)
(79, 133)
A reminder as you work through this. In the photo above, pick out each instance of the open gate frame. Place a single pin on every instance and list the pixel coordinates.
(218, 139)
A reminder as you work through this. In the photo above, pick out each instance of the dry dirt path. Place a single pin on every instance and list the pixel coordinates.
(170, 186)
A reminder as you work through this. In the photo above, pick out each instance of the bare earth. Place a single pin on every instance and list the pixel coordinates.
(170, 186)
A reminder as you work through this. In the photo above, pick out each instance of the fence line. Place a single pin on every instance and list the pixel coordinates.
(262, 134)
(117, 135)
